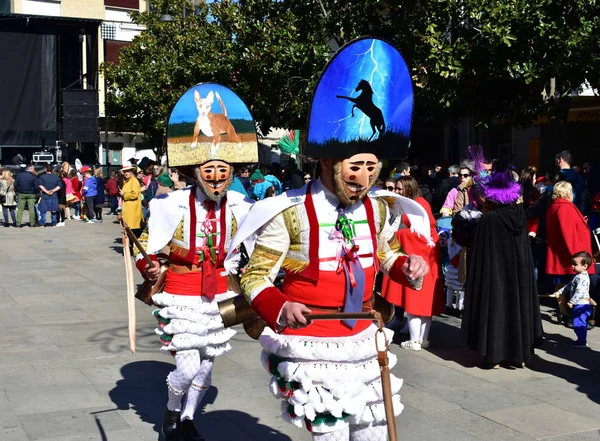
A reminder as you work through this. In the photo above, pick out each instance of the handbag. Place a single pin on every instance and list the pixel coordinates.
(3, 195)
(71, 198)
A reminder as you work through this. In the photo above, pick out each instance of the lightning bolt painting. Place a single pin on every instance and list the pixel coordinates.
(363, 103)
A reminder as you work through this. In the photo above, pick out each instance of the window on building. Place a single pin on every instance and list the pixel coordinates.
(128, 4)
(5, 6)
(113, 48)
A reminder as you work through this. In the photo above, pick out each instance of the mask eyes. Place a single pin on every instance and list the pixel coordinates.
(355, 168)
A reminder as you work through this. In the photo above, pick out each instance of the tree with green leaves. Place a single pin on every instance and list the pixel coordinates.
(491, 60)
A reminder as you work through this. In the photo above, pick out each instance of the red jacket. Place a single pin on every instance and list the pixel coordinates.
(111, 187)
(567, 234)
(76, 186)
(428, 301)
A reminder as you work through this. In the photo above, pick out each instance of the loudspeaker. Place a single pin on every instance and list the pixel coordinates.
(80, 115)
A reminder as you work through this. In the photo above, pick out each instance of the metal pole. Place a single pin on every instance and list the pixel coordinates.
(106, 120)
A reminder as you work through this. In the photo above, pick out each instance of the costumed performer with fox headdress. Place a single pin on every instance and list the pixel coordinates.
(205, 136)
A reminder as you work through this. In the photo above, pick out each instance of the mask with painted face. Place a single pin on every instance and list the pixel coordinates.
(353, 177)
(215, 178)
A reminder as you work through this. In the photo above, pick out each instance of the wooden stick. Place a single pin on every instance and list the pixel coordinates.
(130, 290)
(343, 316)
(382, 358)
(137, 243)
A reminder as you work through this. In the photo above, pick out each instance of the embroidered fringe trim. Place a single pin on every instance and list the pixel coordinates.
(192, 322)
(293, 265)
(172, 389)
(182, 342)
(328, 382)
(341, 349)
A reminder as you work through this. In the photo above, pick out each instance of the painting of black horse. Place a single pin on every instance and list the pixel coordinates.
(364, 103)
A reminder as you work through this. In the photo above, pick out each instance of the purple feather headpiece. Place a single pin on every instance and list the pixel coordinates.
(499, 186)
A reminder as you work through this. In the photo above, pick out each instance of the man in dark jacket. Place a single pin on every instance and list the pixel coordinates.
(26, 185)
(49, 185)
(581, 195)
(446, 184)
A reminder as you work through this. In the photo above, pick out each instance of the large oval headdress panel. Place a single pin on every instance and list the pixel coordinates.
(363, 103)
(210, 122)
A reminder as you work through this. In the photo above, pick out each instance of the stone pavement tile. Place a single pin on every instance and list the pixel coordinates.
(64, 313)
(26, 335)
(23, 353)
(105, 311)
(56, 398)
(69, 277)
(6, 281)
(30, 290)
(592, 435)
(119, 435)
(549, 420)
(480, 427)
(34, 380)
(479, 398)
(423, 374)
(466, 361)
(39, 299)
(582, 398)
(81, 296)
(6, 301)
(76, 333)
(415, 425)
(80, 422)
(423, 401)
(14, 316)
(15, 367)
(13, 432)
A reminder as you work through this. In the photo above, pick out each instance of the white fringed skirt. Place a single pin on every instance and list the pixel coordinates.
(327, 383)
(192, 322)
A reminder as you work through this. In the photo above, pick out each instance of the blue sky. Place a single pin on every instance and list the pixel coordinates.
(384, 68)
(185, 110)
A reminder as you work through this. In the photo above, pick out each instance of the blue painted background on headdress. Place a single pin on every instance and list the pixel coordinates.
(186, 111)
(382, 66)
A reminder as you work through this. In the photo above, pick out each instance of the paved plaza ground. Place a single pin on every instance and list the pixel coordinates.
(66, 373)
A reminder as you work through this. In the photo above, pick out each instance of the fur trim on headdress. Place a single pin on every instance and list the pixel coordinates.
(499, 186)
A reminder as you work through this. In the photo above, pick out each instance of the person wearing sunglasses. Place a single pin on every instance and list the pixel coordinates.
(390, 184)
(450, 208)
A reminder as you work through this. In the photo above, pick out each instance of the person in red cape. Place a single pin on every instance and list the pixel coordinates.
(568, 233)
(421, 305)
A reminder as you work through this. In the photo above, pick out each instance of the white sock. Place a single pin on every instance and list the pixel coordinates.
(369, 433)
(425, 328)
(460, 299)
(187, 364)
(198, 389)
(338, 435)
(414, 326)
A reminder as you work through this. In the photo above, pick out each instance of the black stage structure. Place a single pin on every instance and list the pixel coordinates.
(42, 94)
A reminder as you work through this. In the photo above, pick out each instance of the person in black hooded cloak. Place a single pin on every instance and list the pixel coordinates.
(501, 319)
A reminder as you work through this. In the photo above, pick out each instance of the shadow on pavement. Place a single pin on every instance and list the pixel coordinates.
(446, 342)
(116, 340)
(586, 377)
(118, 246)
(143, 390)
